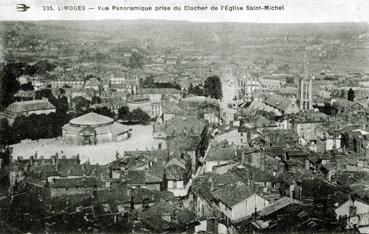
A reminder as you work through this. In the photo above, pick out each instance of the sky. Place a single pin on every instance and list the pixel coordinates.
(295, 11)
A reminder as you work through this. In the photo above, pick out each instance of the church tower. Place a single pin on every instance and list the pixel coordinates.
(305, 96)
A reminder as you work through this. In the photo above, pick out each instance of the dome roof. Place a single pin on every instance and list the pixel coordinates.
(91, 119)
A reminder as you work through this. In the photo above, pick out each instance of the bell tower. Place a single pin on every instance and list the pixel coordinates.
(305, 97)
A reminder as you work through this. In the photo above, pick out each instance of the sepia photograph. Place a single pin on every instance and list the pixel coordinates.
(170, 116)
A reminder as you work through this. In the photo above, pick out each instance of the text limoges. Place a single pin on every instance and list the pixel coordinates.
(72, 8)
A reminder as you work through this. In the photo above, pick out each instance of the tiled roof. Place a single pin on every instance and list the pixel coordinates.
(33, 105)
(222, 153)
(233, 195)
(175, 169)
(172, 108)
(187, 143)
(114, 128)
(76, 182)
(159, 91)
(143, 177)
(279, 204)
(247, 172)
(187, 125)
(278, 102)
(281, 137)
(91, 118)
(148, 154)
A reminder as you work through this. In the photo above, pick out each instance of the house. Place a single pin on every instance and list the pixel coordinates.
(143, 169)
(259, 105)
(167, 217)
(257, 122)
(26, 108)
(219, 155)
(157, 94)
(171, 110)
(290, 185)
(307, 124)
(351, 207)
(187, 135)
(149, 179)
(202, 107)
(281, 104)
(239, 202)
(92, 83)
(226, 196)
(278, 205)
(71, 83)
(117, 80)
(328, 139)
(74, 185)
(279, 138)
(234, 136)
(178, 176)
(153, 109)
(356, 140)
(347, 106)
(272, 83)
(186, 145)
(328, 169)
(205, 204)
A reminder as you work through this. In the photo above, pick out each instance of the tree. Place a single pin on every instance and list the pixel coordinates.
(26, 87)
(6, 133)
(81, 104)
(20, 128)
(61, 104)
(9, 85)
(149, 82)
(96, 100)
(351, 95)
(139, 116)
(213, 87)
(104, 111)
(44, 93)
(123, 113)
(136, 60)
(190, 88)
(199, 91)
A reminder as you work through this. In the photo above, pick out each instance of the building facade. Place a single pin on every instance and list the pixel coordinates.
(92, 129)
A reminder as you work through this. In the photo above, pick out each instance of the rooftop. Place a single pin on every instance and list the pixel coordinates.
(233, 195)
(91, 119)
(278, 102)
(280, 204)
(32, 105)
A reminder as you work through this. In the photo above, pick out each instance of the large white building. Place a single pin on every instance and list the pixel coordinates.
(26, 108)
(92, 129)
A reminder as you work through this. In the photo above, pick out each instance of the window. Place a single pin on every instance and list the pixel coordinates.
(174, 184)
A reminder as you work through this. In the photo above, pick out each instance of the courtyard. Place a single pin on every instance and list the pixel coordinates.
(141, 139)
